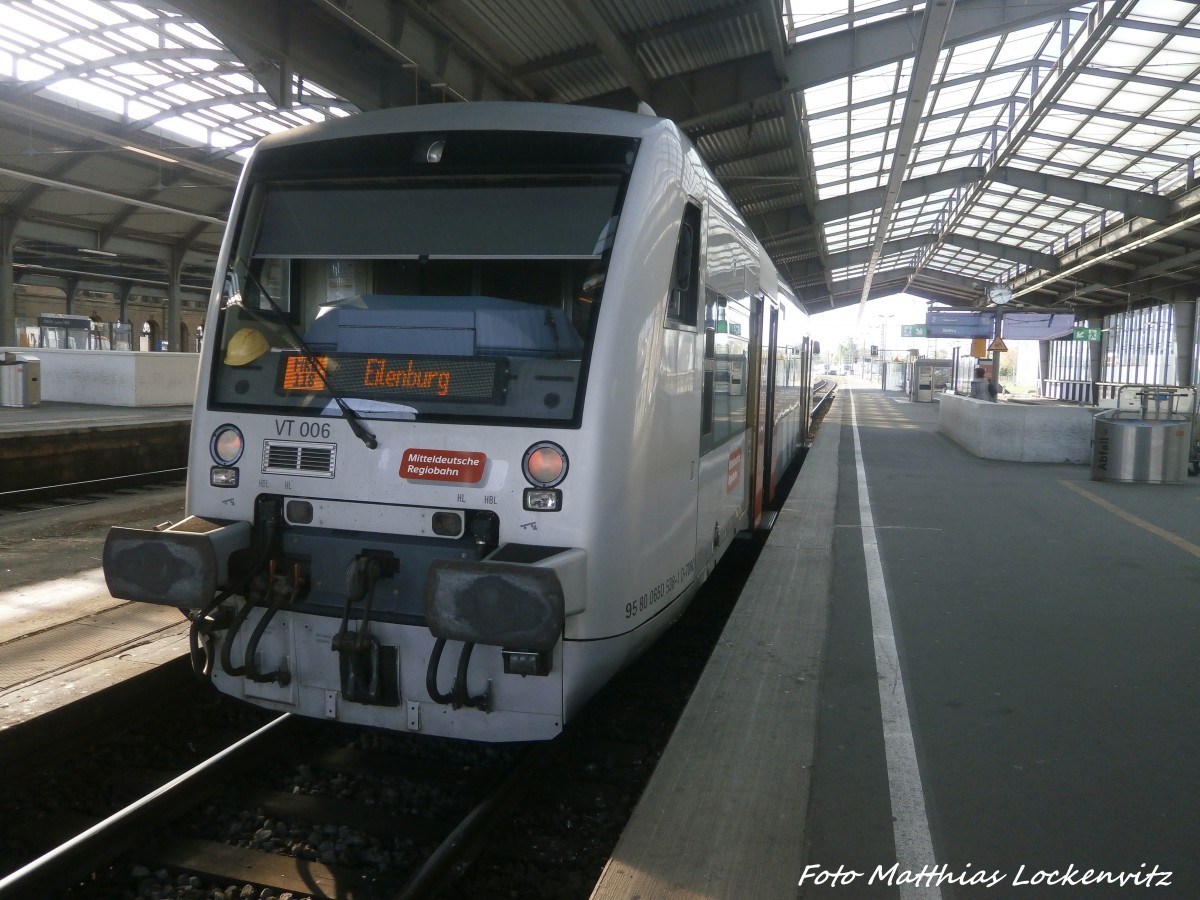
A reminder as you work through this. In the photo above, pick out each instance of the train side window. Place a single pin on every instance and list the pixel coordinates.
(683, 305)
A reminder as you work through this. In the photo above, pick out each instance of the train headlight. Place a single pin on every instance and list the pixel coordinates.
(226, 445)
(545, 465)
(222, 476)
(543, 500)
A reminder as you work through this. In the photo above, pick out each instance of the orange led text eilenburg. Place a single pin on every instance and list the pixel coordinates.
(379, 375)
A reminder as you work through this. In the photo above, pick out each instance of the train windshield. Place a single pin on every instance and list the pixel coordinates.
(457, 294)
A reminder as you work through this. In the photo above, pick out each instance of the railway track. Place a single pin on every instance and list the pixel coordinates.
(317, 809)
(202, 795)
(285, 805)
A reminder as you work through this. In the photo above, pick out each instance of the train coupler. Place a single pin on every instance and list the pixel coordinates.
(368, 670)
(459, 696)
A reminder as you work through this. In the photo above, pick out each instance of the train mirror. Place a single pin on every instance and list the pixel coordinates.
(816, 348)
(230, 292)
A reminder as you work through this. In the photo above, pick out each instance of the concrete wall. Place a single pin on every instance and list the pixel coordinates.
(115, 377)
(87, 452)
(1020, 432)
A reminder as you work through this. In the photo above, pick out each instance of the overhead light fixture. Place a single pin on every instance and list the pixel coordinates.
(999, 294)
(144, 152)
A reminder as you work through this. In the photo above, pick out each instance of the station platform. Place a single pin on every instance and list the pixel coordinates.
(947, 677)
(69, 652)
(67, 640)
(61, 443)
(55, 416)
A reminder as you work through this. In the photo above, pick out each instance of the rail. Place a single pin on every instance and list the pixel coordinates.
(822, 393)
(97, 845)
(469, 835)
(87, 491)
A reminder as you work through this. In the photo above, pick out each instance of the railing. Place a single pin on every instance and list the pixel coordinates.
(71, 335)
(1079, 391)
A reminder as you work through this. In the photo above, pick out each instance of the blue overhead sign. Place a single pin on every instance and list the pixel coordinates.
(959, 324)
(1015, 326)
(1037, 326)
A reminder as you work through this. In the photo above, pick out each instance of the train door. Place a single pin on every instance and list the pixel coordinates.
(725, 425)
(755, 401)
(768, 416)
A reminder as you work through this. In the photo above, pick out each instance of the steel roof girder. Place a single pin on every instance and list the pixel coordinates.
(441, 44)
(616, 53)
(72, 237)
(778, 224)
(1124, 237)
(290, 32)
(1089, 193)
(858, 256)
(110, 197)
(1104, 17)
(835, 56)
(934, 26)
(858, 202)
(691, 97)
(998, 250)
(56, 117)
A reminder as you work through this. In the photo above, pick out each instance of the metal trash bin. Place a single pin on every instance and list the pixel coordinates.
(20, 380)
(1147, 438)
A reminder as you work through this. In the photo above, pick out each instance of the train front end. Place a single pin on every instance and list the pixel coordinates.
(381, 526)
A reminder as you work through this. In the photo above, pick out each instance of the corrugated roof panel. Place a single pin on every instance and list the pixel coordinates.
(533, 29)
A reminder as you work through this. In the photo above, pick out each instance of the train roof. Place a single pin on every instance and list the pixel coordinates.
(487, 116)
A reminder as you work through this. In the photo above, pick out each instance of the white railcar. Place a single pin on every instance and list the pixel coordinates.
(489, 391)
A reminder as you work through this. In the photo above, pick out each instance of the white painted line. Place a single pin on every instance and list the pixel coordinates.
(910, 823)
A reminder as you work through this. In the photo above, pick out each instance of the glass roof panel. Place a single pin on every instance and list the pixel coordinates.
(1079, 97)
(807, 19)
(1121, 110)
(81, 49)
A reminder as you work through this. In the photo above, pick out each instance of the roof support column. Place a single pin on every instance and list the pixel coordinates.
(1185, 342)
(8, 300)
(1043, 367)
(171, 329)
(123, 303)
(1096, 359)
(72, 287)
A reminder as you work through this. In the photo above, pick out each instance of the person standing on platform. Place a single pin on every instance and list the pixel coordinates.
(981, 387)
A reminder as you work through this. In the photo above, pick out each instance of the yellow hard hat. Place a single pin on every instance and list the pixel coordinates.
(246, 345)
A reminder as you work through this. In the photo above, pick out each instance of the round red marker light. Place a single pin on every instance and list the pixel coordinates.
(545, 465)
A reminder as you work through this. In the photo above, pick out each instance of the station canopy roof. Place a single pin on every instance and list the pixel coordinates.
(875, 146)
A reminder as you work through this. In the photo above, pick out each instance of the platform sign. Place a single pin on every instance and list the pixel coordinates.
(959, 324)
(1086, 334)
(914, 331)
(1027, 326)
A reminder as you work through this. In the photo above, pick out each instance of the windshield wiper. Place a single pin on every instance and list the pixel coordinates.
(353, 419)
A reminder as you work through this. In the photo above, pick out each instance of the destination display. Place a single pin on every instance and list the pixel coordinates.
(1026, 326)
(939, 324)
(1019, 326)
(463, 379)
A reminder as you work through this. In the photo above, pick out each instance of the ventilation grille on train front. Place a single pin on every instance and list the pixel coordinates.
(298, 459)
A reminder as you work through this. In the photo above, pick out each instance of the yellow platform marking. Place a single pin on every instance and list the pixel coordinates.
(1129, 517)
